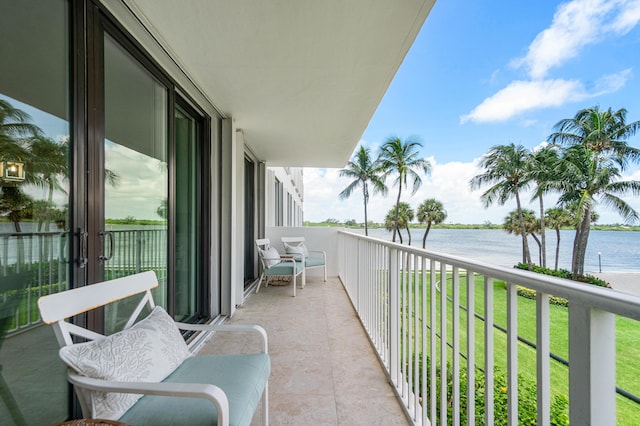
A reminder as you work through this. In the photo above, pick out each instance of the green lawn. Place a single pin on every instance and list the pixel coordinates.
(627, 334)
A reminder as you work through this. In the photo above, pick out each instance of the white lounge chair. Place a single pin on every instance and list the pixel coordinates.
(312, 258)
(273, 264)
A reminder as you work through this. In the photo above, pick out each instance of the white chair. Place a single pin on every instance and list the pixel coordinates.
(273, 264)
(312, 258)
(150, 357)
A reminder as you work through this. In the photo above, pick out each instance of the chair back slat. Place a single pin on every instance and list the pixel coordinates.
(58, 306)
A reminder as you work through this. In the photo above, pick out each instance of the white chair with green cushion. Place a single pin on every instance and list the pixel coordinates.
(273, 264)
(312, 258)
(147, 374)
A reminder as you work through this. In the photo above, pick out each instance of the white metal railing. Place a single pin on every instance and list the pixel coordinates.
(424, 309)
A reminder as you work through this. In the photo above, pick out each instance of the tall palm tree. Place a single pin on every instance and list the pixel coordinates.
(596, 155)
(363, 171)
(543, 172)
(403, 158)
(506, 170)
(431, 211)
(558, 217)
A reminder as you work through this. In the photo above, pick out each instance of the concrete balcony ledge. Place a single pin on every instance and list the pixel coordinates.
(324, 370)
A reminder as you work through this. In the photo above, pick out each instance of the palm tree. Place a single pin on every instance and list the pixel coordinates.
(543, 173)
(558, 217)
(14, 125)
(431, 211)
(47, 166)
(363, 171)
(402, 158)
(400, 217)
(513, 225)
(596, 154)
(506, 170)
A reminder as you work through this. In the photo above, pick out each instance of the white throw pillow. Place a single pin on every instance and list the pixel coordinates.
(296, 249)
(147, 352)
(271, 257)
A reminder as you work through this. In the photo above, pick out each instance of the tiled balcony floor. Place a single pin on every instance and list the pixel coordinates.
(324, 371)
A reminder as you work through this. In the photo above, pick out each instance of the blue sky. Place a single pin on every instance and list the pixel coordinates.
(488, 72)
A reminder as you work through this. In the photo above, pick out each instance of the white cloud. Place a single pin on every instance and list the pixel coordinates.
(628, 17)
(521, 96)
(448, 183)
(575, 25)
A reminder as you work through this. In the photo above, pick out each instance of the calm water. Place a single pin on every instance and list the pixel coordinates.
(620, 250)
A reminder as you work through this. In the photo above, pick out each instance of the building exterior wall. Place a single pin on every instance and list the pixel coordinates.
(284, 196)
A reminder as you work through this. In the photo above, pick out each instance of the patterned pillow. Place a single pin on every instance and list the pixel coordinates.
(296, 249)
(271, 257)
(147, 352)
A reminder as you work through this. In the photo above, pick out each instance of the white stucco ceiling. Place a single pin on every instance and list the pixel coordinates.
(301, 78)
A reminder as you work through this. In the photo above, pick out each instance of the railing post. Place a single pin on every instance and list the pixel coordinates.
(592, 366)
(358, 276)
(394, 316)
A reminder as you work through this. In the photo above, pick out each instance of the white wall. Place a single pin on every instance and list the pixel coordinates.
(292, 185)
(316, 238)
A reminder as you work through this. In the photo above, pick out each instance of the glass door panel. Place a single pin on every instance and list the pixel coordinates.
(34, 205)
(188, 257)
(135, 175)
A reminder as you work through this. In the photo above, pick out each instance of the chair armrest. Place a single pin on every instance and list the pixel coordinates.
(296, 256)
(185, 390)
(323, 253)
(228, 328)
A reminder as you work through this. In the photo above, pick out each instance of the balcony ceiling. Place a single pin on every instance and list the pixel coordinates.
(301, 78)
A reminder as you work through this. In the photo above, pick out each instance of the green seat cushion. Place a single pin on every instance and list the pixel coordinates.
(284, 268)
(314, 261)
(241, 377)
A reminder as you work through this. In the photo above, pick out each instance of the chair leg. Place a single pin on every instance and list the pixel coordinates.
(293, 281)
(325, 272)
(259, 283)
(265, 405)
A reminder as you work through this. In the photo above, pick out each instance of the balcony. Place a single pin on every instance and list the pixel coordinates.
(407, 322)
(352, 350)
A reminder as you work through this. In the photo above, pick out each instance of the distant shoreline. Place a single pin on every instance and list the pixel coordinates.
(594, 227)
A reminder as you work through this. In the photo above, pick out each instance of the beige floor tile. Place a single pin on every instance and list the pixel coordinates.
(324, 371)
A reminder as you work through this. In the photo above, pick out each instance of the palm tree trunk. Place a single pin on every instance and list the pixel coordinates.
(543, 242)
(557, 246)
(580, 244)
(395, 228)
(365, 195)
(408, 233)
(537, 240)
(426, 232)
(526, 255)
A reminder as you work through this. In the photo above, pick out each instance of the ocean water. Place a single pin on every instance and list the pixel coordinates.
(619, 250)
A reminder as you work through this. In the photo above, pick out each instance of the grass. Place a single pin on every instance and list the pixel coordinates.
(627, 334)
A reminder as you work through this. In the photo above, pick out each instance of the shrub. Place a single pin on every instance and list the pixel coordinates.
(528, 293)
(563, 273)
(527, 404)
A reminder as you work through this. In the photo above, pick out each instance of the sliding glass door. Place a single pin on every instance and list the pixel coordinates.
(190, 249)
(104, 172)
(35, 197)
(134, 180)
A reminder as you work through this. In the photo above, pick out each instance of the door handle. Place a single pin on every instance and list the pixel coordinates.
(104, 235)
(82, 244)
